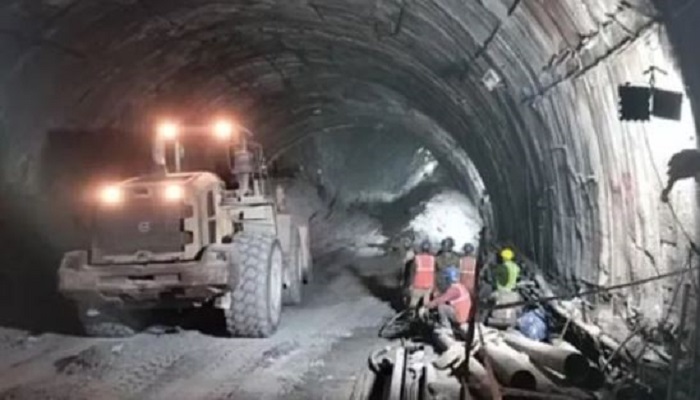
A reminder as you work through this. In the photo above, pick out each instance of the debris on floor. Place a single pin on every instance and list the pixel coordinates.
(547, 352)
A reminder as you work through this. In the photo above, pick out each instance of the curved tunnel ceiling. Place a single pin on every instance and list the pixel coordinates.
(545, 140)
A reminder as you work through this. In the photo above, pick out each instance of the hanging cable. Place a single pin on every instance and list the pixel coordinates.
(604, 289)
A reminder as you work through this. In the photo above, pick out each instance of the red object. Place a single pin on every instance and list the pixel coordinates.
(462, 305)
(424, 277)
(467, 269)
(458, 297)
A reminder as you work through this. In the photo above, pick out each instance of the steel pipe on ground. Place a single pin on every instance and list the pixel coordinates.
(511, 367)
(595, 379)
(561, 359)
(453, 355)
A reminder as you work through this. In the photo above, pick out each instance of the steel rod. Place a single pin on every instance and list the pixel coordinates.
(670, 395)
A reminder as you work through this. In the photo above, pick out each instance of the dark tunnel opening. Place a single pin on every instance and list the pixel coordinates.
(385, 116)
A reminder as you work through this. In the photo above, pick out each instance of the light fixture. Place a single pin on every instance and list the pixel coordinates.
(223, 129)
(173, 193)
(111, 195)
(168, 130)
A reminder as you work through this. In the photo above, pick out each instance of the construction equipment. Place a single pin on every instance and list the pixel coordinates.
(184, 240)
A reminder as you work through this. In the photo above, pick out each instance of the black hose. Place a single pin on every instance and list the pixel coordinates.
(395, 325)
(374, 365)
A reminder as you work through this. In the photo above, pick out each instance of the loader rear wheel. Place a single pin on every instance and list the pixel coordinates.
(293, 292)
(256, 303)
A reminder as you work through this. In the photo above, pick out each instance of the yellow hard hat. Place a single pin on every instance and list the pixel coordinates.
(507, 254)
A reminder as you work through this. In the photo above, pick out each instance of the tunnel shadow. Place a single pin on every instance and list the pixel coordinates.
(384, 286)
(28, 296)
(36, 229)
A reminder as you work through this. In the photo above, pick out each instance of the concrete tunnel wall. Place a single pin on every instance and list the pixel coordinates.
(568, 183)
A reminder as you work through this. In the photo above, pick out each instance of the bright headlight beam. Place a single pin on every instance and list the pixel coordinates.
(168, 130)
(223, 129)
(173, 193)
(111, 195)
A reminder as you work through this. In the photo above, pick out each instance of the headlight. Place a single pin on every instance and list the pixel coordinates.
(223, 129)
(168, 130)
(111, 195)
(173, 193)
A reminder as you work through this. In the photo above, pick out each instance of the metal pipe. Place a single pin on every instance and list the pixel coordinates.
(677, 346)
(479, 379)
(398, 378)
(480, 261)
(561, 359)
(511, 367)
(595, 379)
(178, 156)
(452, 356)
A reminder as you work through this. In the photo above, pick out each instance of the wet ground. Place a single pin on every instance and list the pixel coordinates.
(319, 352)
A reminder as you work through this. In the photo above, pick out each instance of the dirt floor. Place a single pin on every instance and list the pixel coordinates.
(319, 351)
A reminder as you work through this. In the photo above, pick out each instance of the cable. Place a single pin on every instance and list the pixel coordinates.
(594, 291)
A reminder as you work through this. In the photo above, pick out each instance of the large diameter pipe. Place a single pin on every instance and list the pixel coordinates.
(511, 367)
(453, 357)
(595, 379)
(479, 379)
(560, 359)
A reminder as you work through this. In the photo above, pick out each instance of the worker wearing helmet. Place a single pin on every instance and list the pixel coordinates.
(467, 266)
(421, 275)
(454, 305)
(507, 272)
(446, 257)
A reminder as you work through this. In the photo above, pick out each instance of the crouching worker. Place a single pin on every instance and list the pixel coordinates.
(422, 276)
(454, 304)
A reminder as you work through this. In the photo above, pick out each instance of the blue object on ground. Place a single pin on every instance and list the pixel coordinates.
(533, 324)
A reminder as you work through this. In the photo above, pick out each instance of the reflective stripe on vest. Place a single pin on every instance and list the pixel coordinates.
(467, 268)
(462, 305)
(425, 271)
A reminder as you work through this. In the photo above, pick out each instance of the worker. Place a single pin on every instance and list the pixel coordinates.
(467, 267)
(446, 257)
(454, 305)
(507, 271)
(422, 276)
(409, 253)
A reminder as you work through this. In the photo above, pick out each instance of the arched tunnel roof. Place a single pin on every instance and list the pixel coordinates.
(545, 138)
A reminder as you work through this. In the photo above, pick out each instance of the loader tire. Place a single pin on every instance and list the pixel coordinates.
(106, 324)
(256, 296)
(293, 293)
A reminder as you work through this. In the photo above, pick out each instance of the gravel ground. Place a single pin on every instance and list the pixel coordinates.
(318, 352)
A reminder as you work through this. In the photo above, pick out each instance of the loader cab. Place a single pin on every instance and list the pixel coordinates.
(229, 152)
(162, 217)
(247, 200)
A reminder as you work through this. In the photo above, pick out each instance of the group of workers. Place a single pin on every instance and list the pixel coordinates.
(445, 282)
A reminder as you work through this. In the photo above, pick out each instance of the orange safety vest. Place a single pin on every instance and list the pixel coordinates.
(467, 269)
(462, 305)
(424, 277)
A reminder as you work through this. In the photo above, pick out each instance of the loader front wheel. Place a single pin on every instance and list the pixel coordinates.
(256, 304)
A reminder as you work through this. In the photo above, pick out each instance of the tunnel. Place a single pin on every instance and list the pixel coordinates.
(506, 110)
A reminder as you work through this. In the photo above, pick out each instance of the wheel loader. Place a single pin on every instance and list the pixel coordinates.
(190, 239)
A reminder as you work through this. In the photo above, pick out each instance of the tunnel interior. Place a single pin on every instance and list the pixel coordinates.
(507, 108)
